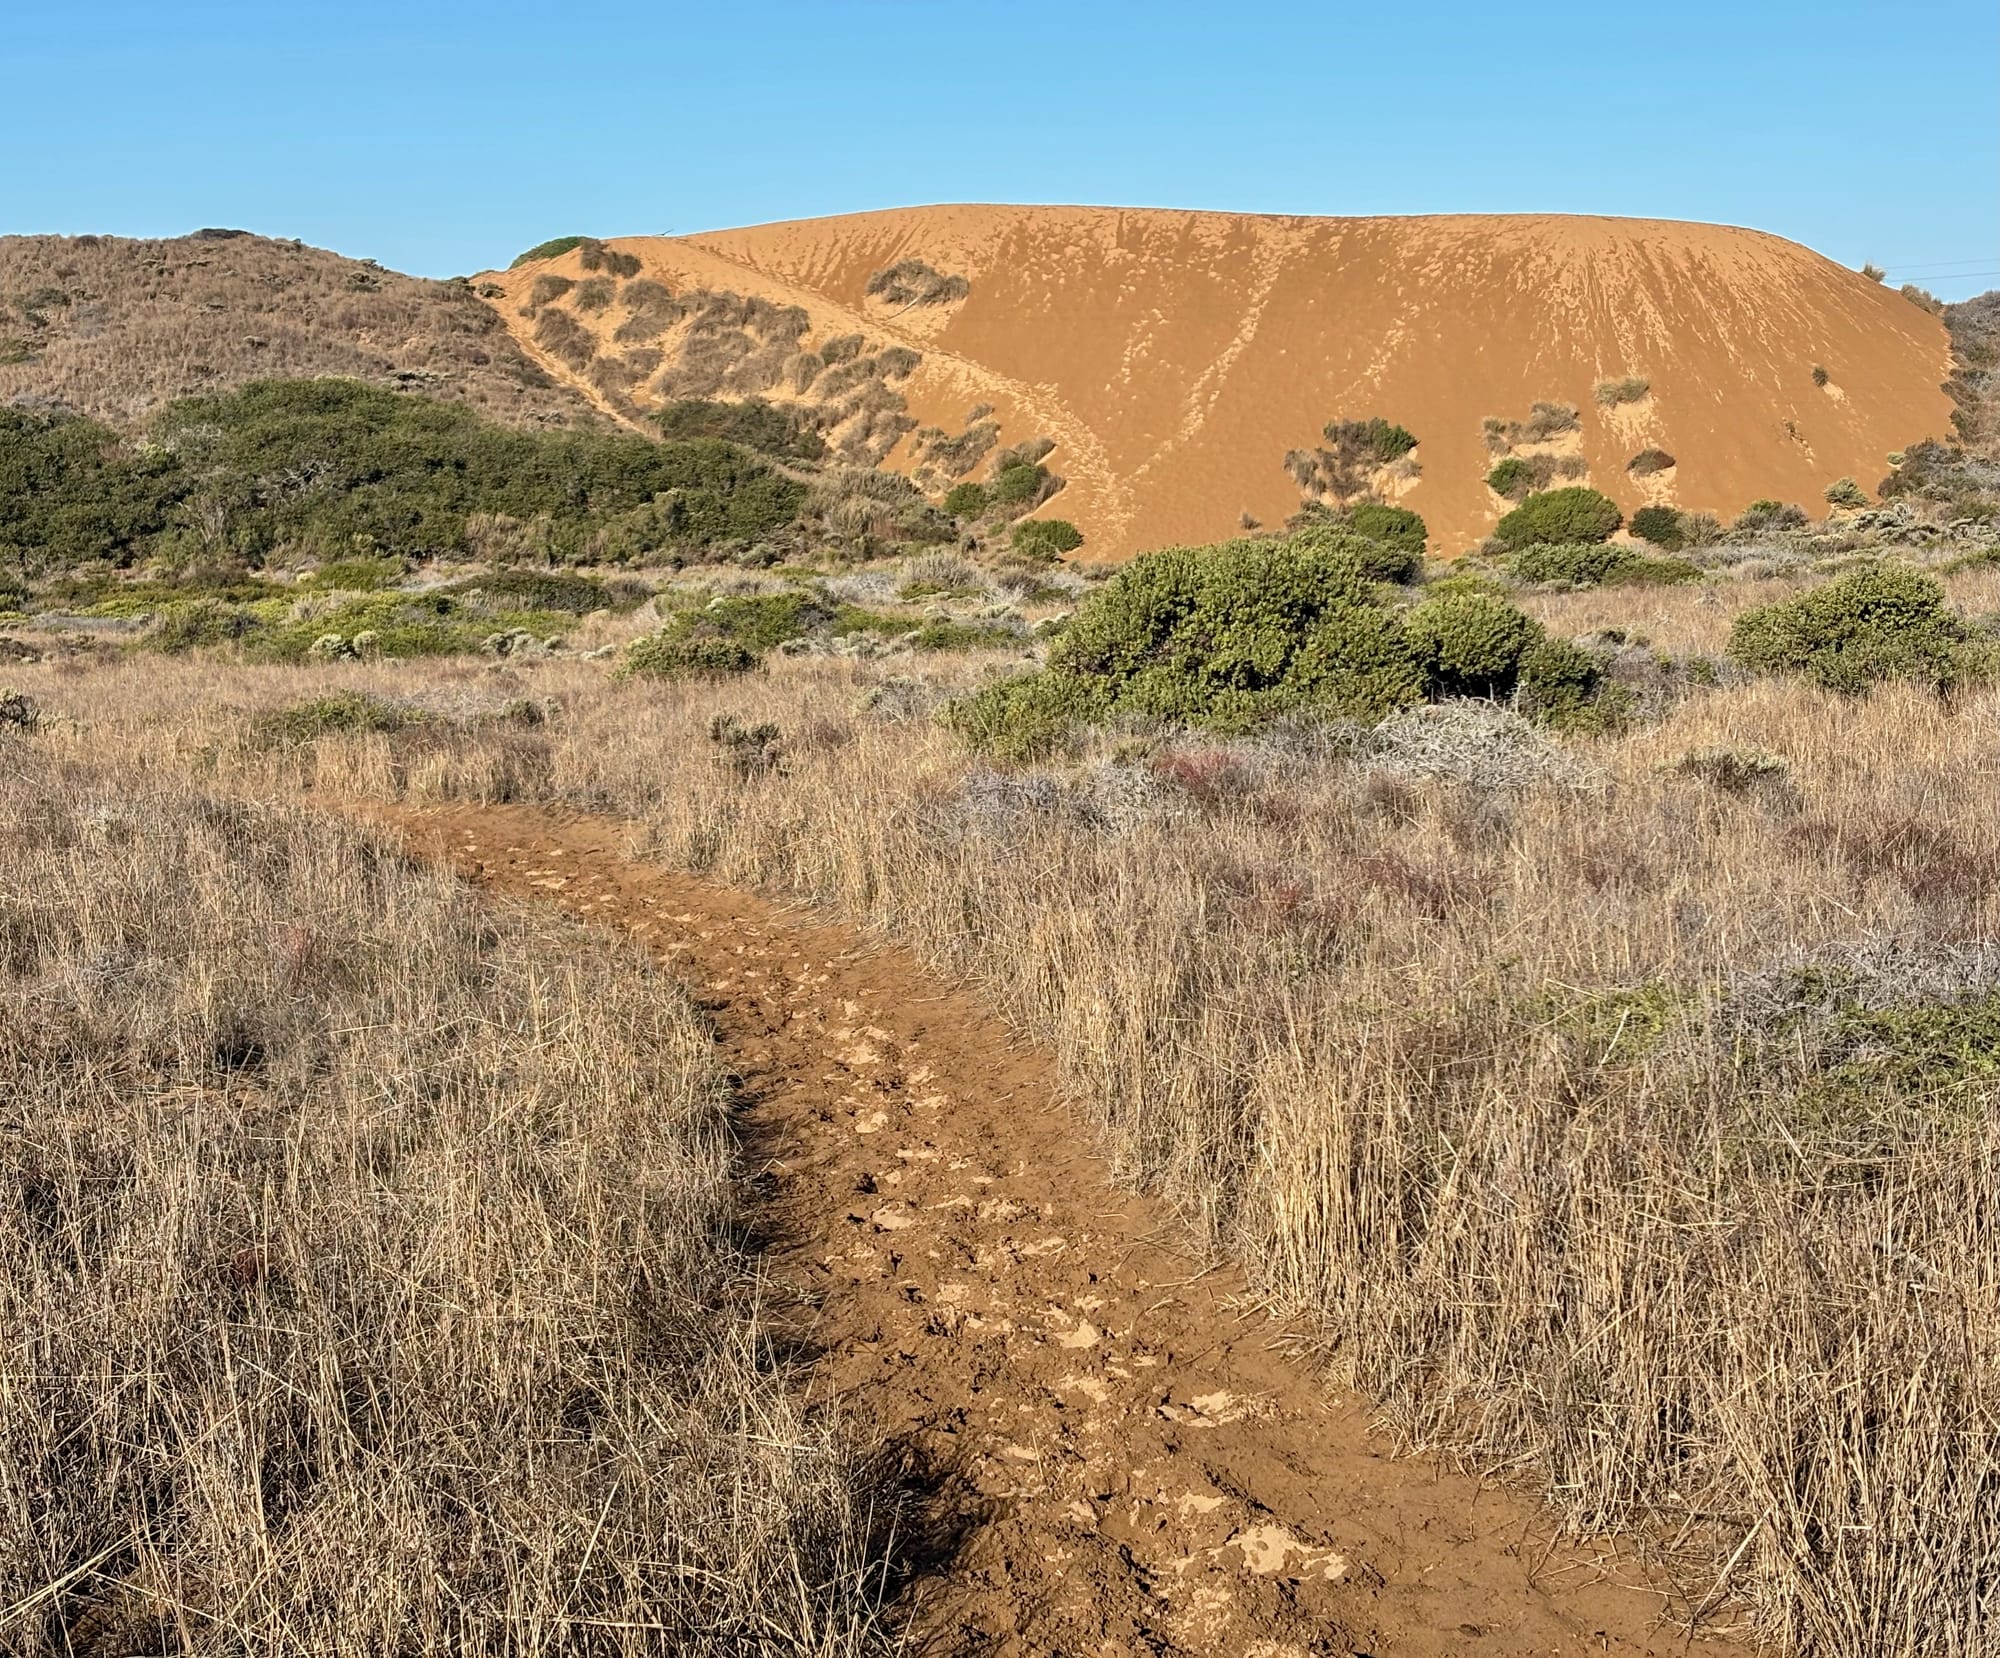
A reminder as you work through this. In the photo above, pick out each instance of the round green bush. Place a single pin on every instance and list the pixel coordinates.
(966, 500)
(1660, 526)
(1889, 622)
(1470, 645)
(1046, 538)
(1396, 527)
(1575, 513)
(1562, 684)
(1514, 477)
(666, 656)
(1018, 483)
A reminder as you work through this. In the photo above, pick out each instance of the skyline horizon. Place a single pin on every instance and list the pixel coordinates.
(444, 140)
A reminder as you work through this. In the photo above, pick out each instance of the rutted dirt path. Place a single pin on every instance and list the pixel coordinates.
(1141, 1471)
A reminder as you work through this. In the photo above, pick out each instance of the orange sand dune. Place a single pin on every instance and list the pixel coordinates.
(1176, 357)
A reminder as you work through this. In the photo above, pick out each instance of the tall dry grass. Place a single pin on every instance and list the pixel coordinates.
(1473, 1077)
(369, 1267)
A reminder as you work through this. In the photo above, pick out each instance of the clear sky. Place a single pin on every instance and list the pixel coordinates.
(442, 138)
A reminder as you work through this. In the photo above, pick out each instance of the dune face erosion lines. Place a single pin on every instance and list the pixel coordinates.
(1134, 1469)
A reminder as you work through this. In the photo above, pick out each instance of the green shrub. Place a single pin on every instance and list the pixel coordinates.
(1820, 376)
(554, 248)
(549, 590)
(13, 591)
(760, 621)
(1661, 526)
(1594, 564)
(1019, 485)
(1770, 515)
(1649, 461)
(350, 711)
(663, 656)
(1845, 492)
(1046, 539)
(966, 500)
(1381, 440)
(178, 628)
(1030, 715)
(1888, 622)
(356, 575)
(1577, 513)
(943, 634)
(1513, 478)
(1214, 636)
(1469, 645)
(1561, 684)
(753, 423)
(1396, 527)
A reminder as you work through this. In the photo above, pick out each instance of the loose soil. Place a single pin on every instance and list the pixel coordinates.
(1136, 1465)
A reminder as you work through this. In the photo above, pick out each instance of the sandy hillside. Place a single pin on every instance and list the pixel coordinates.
(1176, 359)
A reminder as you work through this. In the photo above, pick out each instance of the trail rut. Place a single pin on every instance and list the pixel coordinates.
(1138, 1466)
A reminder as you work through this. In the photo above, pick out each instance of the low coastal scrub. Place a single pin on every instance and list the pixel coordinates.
(1233, 636)
(320, 468)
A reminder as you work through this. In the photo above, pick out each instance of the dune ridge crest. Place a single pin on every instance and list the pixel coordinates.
(1177, 358)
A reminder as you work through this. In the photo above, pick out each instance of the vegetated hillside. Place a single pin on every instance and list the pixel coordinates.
(115, 328)
(1186, 365)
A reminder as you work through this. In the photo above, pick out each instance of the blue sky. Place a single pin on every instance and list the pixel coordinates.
(443, 138)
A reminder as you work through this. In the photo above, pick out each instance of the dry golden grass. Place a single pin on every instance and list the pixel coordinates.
(368, 1274)
(1489, 1083)
(116, 328)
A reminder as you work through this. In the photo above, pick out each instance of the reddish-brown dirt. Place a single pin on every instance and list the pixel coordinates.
(1139, 1467)
(1175, 357)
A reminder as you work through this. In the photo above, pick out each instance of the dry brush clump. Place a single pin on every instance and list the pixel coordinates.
(1620, 1113)
(369, 1274)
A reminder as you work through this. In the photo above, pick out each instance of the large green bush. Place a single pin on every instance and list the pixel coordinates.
(1470, 645)
(1887, 622)
(1212, 636)
(1229, 635)
(1661, 526)
(1046, 538)
(1575, 513)
(966, 500)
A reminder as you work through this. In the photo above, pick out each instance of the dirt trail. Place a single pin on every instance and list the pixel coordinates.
(1141, 1471)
